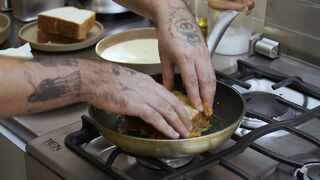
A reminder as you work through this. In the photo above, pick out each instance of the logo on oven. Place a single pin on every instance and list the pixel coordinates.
(53, 145)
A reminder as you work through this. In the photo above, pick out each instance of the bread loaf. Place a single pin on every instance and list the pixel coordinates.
(66, 21)
(43, 37)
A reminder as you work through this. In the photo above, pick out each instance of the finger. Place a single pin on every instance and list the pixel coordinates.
(190, 80)
(167, 74)
(169, 114)
(176, 105)
(207, 82)
(152, 117)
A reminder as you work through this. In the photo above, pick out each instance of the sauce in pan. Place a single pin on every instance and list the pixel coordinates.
(138, 51)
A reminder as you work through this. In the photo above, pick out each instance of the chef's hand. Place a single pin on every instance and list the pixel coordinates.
(181, 44)
(121, 90)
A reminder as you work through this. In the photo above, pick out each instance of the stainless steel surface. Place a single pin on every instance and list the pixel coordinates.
(221, 24)
(99, 6)
(37, 171)
(294, 23)
(252, 42)
(172, 162)
(11, 158)
(5, 5)
(291, 67)
(267, 47)
(62, 162)
(27, 10)
(264, 85)
(227, 64)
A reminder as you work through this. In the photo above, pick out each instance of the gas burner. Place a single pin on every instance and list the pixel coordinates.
(310, 171)
(172, 162)
(266, 104)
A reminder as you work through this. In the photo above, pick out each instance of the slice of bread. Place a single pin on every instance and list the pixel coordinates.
(67, 21)
(43, 37)
(192, 112)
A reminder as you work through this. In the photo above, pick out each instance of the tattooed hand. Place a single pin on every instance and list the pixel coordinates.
(39, 85)
(125, 91)
(181, 43)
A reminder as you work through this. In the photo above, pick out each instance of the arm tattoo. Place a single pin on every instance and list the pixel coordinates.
(131, 72)
(125, 88)
(115, 70)
(183, 27)
(51, 62)
(48, 89)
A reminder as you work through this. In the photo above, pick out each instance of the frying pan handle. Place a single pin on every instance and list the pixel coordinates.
(220, 26)
(88, 119)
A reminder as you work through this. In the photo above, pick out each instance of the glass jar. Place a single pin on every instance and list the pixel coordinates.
(235, 40)
(199, 8)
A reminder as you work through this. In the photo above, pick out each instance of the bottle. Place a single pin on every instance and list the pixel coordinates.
(235, 41)
(199, 8)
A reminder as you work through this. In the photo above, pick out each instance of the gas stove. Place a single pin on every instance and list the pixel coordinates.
(277, 139)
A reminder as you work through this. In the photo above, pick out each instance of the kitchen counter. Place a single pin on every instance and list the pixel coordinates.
(112, 24)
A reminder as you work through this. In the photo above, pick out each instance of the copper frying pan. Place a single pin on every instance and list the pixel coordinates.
(228, 111)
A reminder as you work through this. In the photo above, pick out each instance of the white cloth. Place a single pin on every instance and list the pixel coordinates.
(23, 51)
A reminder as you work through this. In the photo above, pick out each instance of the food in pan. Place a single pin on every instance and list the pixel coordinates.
(136, 127)
(200, 122)
(64, 24)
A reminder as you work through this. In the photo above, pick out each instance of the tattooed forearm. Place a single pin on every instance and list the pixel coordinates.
(183, 27)
(131, 72)
(125, 88)
(48, 89)
(115, 70)
(53, 62)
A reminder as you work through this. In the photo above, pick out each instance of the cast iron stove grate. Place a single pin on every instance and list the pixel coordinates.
(209, 160)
